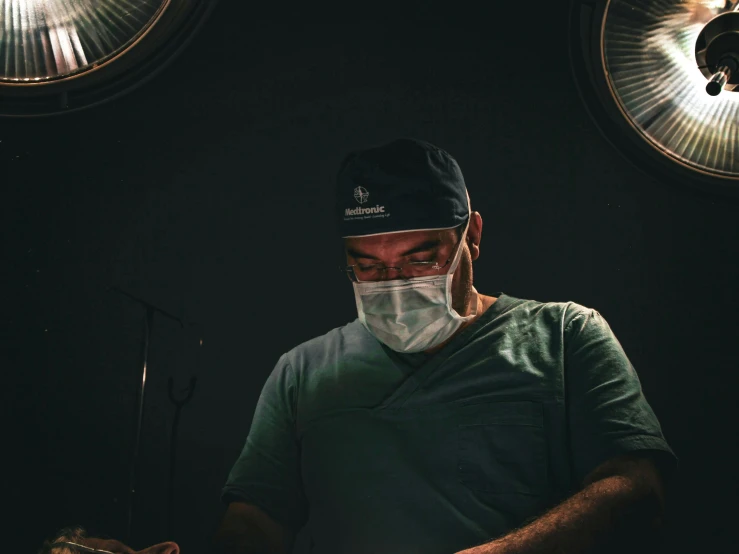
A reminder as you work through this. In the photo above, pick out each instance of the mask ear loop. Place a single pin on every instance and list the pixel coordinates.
(464, 237)
(455, 264)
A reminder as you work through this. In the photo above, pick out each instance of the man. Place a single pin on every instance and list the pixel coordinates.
(443, 420)
(75, 541)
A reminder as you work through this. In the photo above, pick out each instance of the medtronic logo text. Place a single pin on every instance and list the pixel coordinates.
(360, 211)
(361, 195)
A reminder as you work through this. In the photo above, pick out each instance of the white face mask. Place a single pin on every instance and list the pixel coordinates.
(411, 315)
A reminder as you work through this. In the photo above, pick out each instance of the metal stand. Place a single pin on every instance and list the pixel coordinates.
(148, 323)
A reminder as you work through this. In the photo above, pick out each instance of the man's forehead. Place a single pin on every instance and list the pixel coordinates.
(401, 241)
(404, 238)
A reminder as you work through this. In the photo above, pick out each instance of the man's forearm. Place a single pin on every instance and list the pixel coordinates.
(611, 505)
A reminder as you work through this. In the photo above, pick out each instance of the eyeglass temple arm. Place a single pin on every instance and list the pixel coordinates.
(82, 547)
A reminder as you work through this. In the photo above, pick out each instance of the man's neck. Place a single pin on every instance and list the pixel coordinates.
(483, 303)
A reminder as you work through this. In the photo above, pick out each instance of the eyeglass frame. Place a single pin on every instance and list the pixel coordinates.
(76, 546)
(349, 269)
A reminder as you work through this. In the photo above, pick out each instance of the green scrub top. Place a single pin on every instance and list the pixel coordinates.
(378, 451)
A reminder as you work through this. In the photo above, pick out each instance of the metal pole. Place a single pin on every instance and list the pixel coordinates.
(148, 325)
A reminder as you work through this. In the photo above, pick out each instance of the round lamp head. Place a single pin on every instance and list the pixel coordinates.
(45, 40)
(62, 55)
(660, 77)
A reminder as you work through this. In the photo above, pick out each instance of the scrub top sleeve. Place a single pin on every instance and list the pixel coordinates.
(267, 473)
(607, 412)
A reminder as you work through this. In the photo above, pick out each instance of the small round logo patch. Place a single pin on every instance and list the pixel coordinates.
(361, 195)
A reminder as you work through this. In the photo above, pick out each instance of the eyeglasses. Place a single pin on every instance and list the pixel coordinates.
(377, 272)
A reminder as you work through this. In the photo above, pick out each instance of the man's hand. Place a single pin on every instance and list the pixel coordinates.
(75, 540)
(119, 548)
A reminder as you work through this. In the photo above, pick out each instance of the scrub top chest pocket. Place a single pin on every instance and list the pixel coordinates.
(501, 448)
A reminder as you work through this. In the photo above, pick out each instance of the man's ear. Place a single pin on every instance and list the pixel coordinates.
(474, 235)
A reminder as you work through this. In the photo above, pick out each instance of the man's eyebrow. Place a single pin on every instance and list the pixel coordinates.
(423, 247)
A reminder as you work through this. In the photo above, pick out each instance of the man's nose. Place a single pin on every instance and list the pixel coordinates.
(392, 273)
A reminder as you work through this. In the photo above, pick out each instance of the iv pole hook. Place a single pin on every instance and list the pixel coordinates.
(148, 323)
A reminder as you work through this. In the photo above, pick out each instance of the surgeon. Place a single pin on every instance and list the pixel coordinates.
(443, 420)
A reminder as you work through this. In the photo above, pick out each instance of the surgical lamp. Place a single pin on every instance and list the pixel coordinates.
(63, 55)
(661, 80)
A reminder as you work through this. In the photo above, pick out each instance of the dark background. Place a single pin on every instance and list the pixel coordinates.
(208, 192)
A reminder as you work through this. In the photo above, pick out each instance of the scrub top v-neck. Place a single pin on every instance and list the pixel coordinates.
(378, 451)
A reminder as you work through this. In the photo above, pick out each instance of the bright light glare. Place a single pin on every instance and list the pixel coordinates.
(51, 39)
(714, 4)
(649, 49)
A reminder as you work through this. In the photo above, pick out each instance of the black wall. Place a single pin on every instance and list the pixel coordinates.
(208, 192)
